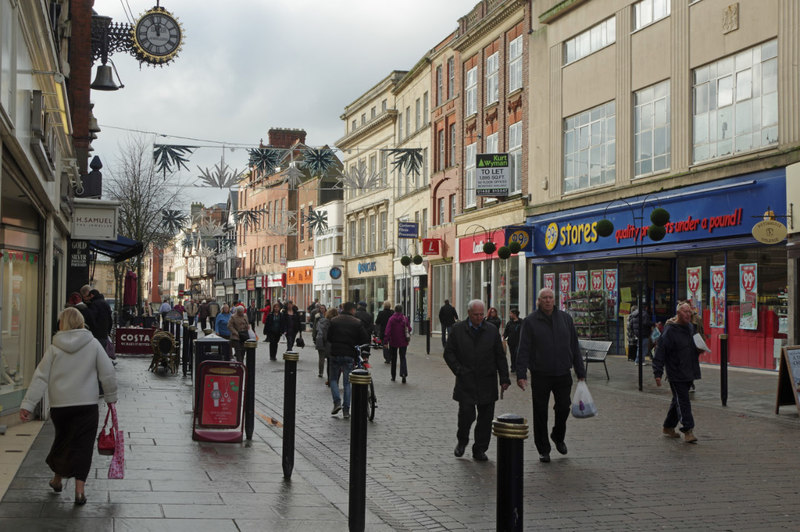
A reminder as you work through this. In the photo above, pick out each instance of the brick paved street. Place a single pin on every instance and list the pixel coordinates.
(620, 473)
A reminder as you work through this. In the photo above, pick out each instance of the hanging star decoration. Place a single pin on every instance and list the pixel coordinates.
(171, 158)
(249, 218)
(358, 178)
(210, 229)
(187, 243)
(294, 176)
(221, 177)
(265, 159)
(317, 221)
(286, 226)
(173, 220)
(408, 158)
(318, 161)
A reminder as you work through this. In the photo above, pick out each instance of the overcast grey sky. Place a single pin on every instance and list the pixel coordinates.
(248, 66)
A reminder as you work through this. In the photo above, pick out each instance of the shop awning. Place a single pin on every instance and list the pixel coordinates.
(118, 250)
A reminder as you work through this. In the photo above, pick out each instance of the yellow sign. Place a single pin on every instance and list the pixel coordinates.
(769, 231)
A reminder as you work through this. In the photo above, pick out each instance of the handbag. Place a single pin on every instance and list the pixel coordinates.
(105, 440)
(116, 470)
(300, 342)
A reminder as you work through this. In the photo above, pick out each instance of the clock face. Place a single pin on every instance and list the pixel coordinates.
(157, 36)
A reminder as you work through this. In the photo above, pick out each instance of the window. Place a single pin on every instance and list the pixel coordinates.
(383, 106)
(373, 233)
(491, 143)
(649, 11)
(372, 113)
(425, 107)
(310, 231)
(363, 118)
(492, 67)
(470, 176)
(515, 64)
(373, 164)
(418, 114)
(384, 229)
(362, 235)
(384, 167)
(589, 148)
(353, 126)
(590, 41)
(283, 254)
(451, 77)
(352, 238)
(440, 142)
(452, 160)
(515, 157)
(408, 121)
(651, 129)
(439, 82)
(452, 207)
(736, 103)
(441, 213)
(423, 228)
(301, 225)
(471, 91)
(400, 126)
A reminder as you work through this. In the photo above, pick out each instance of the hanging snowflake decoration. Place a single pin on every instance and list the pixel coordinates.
(173, 220)
(171, 158)
(210, 229)
(265, 159)
(408, 158)
(357, 178)
(249, 218)
(294, 176)
(221, 177)
(286, 226)
(317, 221)
(187, 243)
(318, 161)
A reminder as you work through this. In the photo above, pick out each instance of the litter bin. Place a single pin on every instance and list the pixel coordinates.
(209, 348)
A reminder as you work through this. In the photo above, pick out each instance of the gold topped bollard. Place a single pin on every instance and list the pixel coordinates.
(359, 380)
(289, 410)
(511, 430)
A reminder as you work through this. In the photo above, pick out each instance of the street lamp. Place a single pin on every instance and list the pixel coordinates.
(659, 218)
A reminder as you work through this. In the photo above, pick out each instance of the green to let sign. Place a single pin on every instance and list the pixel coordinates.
(492, 174)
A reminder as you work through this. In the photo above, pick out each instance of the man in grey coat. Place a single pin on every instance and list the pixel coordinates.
(474, 352)
(548, 346)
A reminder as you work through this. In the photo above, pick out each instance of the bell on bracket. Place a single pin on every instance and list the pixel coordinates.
(104, 80)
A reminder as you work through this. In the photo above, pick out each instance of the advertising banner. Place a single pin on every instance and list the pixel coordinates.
(550, 281)
(612, 293)
(133, 340)
(748, 296)
(717, 301)
(581, 281)
(564, 285)
(694, 287)
(597, 279)
(221, 400)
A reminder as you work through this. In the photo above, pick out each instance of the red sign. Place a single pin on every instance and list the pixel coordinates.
(748, 275)
(251, 284)
(221, 405)
(133, 340)
(611, 280)
(470, 249)
(597, 279)
(431, 246)
(718, 279)
(550, 281)
(581, 280)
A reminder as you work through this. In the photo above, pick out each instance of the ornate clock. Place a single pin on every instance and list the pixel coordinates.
(157, 37)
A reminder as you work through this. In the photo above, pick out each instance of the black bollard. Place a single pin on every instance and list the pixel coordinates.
(250, 387)
(289, 407)
(723, 368)
(186, 347)
(510, 430)
(189, 350)
(360, 380)
(427, 336)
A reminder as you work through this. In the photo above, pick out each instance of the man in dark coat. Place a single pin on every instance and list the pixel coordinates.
(447, 318)
(548, 346)
(380, 327)
(474, 353)
(367, 319)
(344, 333)
(101, 314)
(677, 352)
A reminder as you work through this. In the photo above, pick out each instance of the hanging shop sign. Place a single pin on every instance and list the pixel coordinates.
(94, 222)
(251, 284)
(748, 296)
(300, 275)
(769, 231)
(716, 317)
(407, 229)
(276, 280)
(564, 285)
(492, 173)
(720, 209)
(336, 272)
(431, 246)
(521, 234)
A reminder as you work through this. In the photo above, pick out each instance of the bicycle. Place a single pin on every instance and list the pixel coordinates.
(363, 363)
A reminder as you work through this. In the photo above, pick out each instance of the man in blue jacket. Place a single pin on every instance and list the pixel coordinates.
(548, 346)
(677, 352)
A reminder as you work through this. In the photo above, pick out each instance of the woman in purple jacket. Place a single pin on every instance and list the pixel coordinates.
(395, 337)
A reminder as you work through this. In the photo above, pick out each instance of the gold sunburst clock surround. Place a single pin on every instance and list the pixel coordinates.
(157, 37)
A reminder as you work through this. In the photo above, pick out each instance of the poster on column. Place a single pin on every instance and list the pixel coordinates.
(610, 281)
(694, 287)
(581, 281)
(550, 281)
(564, 285)
(716, 317)
(597, 279)
(748, 296)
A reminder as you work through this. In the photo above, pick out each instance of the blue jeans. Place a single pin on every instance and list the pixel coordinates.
(644, 349)
(680, 409)
(340, 365)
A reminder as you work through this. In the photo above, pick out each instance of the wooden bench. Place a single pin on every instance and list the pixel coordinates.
(595, 351)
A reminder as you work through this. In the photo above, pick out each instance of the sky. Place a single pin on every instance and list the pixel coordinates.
(250, 65)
